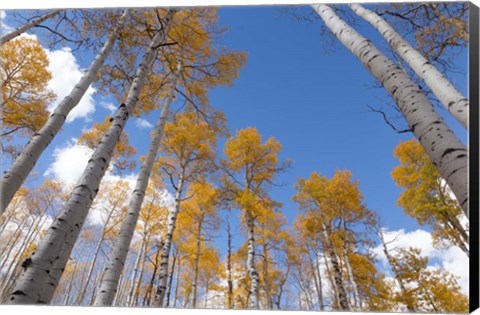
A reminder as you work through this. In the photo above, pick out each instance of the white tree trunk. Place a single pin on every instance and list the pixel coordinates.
(122, 243)
(95, 256)
(24, 163)
(356, 296)
(337, 272)
(22, 29)
(454, 101)
(167, 245)
(447, 153)
(135, 272)
(252, 271)
(38, 282)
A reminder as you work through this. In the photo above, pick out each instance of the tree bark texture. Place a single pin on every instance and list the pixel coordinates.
(445, 150)
(454, 101)
(42, 274)
(24, 163)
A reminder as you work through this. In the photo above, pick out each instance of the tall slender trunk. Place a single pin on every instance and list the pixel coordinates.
(172, 219)
(32, 233)
(330, 278)
(447, 153)
(317, 280)
(454, 101)
(96, 284)
(329, 247)
(411, 307)
(148, 292)
(205, 297)
(320, 282)
(12, 241)
(70, 285)
(197, 260)
(280, 289)
(252, 271)
(22, 29)
(95, 256)
(24, 163)
(138, 284)
(41, 276)
(266, 278)
(175, 296)
(135, 273)
(229, 267)
(122, 244)
(170, 280)
(459, 238)
(356, 296)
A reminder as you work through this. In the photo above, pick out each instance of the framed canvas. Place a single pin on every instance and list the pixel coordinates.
(282, 157)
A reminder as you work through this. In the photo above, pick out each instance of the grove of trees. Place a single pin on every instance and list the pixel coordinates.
(198, 226)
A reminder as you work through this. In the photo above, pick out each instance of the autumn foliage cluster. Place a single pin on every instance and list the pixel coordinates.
(199, 227)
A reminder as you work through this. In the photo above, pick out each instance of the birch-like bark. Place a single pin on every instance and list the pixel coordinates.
(95, 256)
(41, 276)
(317, 280)
(445, 150)
(337, 273)
(135, 272)
(172, 219)
(138, 284)
(24, 163)
(320, 282)
(454, 101)
(122, 243)
(252, 271)
(25, 27)
(356, 296)
(266, 278)
(170, 279)
(330, 278)
(13, 274)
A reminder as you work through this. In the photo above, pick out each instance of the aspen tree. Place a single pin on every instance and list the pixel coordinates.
(454, 101)
(188, 146)
(27, 26)
(250, 168)
(426, 197)
(41, 276)
(445, 150)
(24, 163)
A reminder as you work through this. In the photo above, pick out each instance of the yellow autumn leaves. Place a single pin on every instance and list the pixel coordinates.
(24, 75)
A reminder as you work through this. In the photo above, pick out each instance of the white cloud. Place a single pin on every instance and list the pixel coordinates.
(109, 106)
(451, 259)
(69, 163)
(143, 124)
(3, 26)
(65, 74)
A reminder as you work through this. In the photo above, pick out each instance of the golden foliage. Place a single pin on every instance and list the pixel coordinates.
(24, 75)
(122, 151)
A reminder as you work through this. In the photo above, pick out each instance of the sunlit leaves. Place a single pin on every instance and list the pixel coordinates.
(426, 196)
(123, 151)
(24, 74)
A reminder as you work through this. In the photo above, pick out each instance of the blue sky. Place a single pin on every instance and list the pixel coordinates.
(314, 103)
